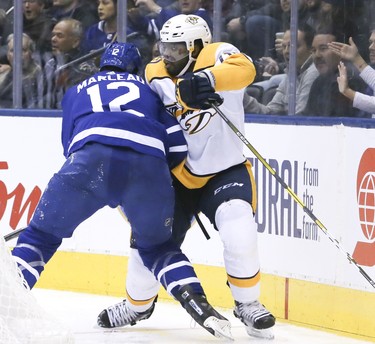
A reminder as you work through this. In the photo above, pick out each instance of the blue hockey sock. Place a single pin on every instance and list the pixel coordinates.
(33, 250)
(171, 268)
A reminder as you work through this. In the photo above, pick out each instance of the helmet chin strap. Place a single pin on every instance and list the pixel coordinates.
(183, 71)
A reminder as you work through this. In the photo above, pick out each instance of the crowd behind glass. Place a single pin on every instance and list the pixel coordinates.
(59, 35)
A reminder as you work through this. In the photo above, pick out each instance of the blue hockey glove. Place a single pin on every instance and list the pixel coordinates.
(195, 92)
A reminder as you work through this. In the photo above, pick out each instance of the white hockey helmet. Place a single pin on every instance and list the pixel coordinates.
(186, 28)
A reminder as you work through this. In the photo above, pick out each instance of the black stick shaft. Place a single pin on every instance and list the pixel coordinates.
(13, 234)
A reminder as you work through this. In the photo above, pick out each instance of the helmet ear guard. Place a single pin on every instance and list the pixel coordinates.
(123, 56)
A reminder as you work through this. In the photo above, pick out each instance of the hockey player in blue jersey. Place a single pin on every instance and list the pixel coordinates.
(116, 146)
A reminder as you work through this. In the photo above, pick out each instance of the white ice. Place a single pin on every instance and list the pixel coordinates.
(169, 324)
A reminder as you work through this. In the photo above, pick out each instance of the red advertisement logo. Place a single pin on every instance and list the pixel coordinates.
(20, 205)
(364, 252)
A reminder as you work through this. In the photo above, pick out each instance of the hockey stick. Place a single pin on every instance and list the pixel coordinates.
(14, 234)
(86, 57)
(202, 227)
(9, 10)
(90, 55)
(81, 59)
(292, 193)
(17, 232)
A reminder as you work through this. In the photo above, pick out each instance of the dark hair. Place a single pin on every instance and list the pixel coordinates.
(309, 33)
(328, 30)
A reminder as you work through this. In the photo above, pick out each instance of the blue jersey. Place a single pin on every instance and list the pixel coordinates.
(119, 109)
(96, 38)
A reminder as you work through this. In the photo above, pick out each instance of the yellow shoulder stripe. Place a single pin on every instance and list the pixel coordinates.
(235, 72)
(155, 70)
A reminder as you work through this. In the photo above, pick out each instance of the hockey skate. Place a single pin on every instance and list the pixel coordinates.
(121, 315)
(258, 320)
(204, 314)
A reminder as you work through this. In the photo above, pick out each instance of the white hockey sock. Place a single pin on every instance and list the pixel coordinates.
(238, 231)
(141, 285)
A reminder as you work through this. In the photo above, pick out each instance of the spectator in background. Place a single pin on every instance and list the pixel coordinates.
(3, 20)
(264, 22)
(338, 15)
(314, 8)
(6, 9)
(347, 17)
(257, 28)
(306, 74)
(6, 19)
(32, 86)
(325, 98)
(6, 4)
(372, 48)
(350, 53)
(36, 24)
(309, 13)
(229, 9)
(66, 41)
(104, 32)
(157, 15)
(73, 9)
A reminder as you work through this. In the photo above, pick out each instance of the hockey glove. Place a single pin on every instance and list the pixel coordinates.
(195, 92)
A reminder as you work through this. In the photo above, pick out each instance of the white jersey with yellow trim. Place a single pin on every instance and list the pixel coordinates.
(212, 145)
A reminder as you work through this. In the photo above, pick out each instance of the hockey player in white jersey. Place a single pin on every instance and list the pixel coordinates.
(215, 178)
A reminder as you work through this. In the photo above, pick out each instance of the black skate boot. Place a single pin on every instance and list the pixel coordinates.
(121, 315)
(203, 313)
(257, 319)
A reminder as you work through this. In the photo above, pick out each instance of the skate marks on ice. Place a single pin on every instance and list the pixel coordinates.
(169, 324)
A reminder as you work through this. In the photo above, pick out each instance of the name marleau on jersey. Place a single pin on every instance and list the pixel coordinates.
(110, 76)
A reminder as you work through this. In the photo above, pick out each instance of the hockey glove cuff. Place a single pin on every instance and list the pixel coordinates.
(195, 92)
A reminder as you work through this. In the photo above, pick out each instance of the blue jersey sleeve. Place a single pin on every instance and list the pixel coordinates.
(177, 147)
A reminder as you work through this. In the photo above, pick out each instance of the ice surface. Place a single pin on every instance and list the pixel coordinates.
(169, 324)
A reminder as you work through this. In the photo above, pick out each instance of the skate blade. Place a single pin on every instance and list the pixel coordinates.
(221, 328)
(266, 333)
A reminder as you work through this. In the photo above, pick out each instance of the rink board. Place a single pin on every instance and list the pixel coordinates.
(306, 279)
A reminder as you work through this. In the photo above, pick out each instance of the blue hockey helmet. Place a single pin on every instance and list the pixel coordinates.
(124, 56)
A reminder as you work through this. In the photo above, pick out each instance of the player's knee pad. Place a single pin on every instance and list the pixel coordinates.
(141, 284)
(237, 227)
